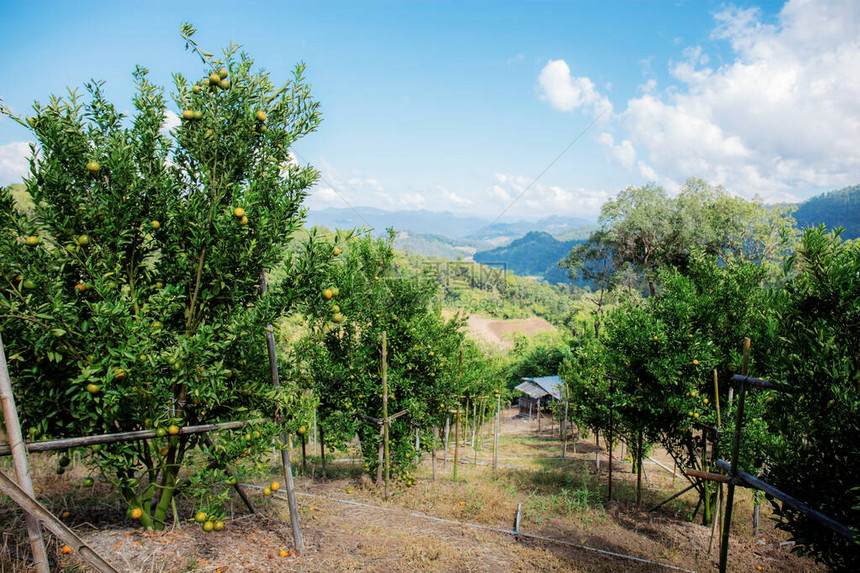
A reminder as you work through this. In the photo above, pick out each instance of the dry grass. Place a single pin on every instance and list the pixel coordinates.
(561, 499)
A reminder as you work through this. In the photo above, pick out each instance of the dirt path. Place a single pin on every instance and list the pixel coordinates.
(442, 525)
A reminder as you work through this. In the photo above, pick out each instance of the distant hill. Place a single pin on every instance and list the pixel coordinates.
(475, 230)
(434, 246)
(839, 208)
(535, 255)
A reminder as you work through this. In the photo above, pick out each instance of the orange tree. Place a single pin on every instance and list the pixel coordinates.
(662, 353)
(586, 384)
(131, 290)
(814, 450)
(365, 294)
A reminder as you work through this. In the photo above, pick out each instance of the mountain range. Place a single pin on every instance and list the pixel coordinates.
(533, 248)
(467, 228)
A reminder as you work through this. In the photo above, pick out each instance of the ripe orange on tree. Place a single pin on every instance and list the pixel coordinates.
(136, 513)
(32, 241)
(93, 167)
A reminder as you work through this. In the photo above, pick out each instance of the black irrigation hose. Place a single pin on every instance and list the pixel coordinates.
(490, 528)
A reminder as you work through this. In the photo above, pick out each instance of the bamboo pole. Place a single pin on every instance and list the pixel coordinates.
(322, 448)
(457, 416)
(289, 484)
(209, 444)
(447, 435)
(19, 458)
(36, 510)
(435, 437)
(456, 442)
(716, 453)
(417, 444)
(730, 495)
(639, 457)
(564, 427)
(385, 419)
(68, 443)
(496, 429)
(609, 447)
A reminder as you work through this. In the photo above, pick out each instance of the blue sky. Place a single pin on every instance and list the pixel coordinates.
(459, 106)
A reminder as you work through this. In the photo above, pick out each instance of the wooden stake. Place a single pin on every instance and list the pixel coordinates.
(304, 456)
(285, 453)
(447, 435)
(435, 437)
(730, 495)
(385, 419)
(322, 448)
(475, 431)
(19, 458)
(640, 457)
(456, 441)
(457, 417)
(715, 450)
(417, 444)
(609, 447)
(564, 425)
(496, 429)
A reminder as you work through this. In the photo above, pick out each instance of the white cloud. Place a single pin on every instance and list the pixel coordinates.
(14, 162)
(333, 190)
(623, 153)
(539, 200)
(454, 198)
(566, 92)
(778, 118)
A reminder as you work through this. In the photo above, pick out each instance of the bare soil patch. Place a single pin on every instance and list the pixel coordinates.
(500, 333)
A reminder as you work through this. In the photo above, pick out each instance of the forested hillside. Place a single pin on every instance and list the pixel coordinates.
(535, 255)
(839, 208)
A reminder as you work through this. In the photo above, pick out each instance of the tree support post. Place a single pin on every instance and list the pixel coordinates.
(496, 428)
(733, 473)
(36, 510)
(386, 421)
(19, 458)
(285, 453)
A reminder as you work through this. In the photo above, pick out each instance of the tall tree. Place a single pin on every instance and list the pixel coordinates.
(644, 229)
(131, 294)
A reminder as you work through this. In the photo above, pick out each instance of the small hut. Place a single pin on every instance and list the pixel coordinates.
(539, 392)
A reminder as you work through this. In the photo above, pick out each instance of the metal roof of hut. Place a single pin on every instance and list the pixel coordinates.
(541, 386)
